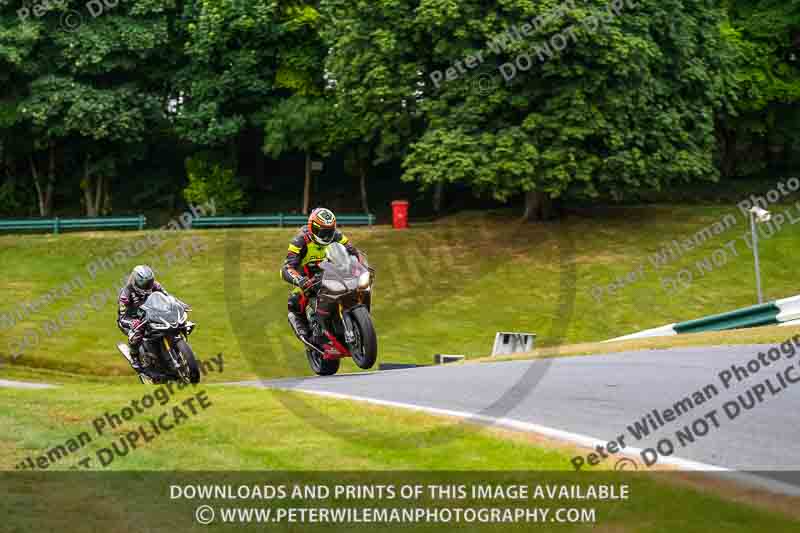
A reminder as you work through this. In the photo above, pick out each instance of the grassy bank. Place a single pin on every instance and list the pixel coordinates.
(763, 335)
(441, 288)
(243, 429)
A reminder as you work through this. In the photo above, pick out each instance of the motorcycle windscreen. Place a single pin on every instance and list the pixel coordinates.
(337, 255)
(159, 307)
(342, 267)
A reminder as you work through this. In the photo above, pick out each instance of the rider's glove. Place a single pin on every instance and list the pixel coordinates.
(304, 283)
(135, 325)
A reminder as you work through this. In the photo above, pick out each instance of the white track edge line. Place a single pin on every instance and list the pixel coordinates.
(772, 485)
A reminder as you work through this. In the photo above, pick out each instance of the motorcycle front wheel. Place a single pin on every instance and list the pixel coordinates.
(190, 371)
(366, 343)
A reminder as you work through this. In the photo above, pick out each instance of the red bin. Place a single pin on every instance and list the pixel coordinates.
(400, 214)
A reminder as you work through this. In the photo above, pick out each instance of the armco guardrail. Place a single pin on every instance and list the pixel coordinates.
(279, 220)
(784, 312)
(749, 317)
(56, 225)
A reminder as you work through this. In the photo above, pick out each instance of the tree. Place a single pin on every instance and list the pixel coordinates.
(348, 135)
(764, 127)
(18, 65)
(246, 59)
(91, 90)
(212, 182)
(375, 58)
(99, 123)
(357, 163)
(301, 121)
(627, 105)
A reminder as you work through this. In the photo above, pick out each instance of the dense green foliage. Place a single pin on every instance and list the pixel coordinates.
(211, 182)
(763, 131)
(627, 105)
(101, 103)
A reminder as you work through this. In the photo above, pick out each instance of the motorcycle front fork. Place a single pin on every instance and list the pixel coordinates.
(349, 333)
(318, 327)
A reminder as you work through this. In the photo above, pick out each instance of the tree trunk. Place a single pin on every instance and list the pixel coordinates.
(261, 163)
(307, 187)
(51, 183)
(362, 166)
(438, 193)
(39, 194)
(86, 185)
(98, 195)
(727, 143)
(106, 209)
(538, 206)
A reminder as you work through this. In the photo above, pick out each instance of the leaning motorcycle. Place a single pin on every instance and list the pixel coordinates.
(165, 352)
(338, 311)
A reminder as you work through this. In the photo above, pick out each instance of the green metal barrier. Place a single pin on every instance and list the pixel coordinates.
(56, 225)
(279, 220)
(786, 310)
(748, 317)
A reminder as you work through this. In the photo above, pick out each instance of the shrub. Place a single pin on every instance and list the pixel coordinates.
(10, 204)
(209, 180)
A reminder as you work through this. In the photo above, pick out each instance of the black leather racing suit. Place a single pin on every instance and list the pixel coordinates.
(129, 314)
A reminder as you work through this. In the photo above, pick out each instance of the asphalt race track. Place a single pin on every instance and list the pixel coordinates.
(600, 396)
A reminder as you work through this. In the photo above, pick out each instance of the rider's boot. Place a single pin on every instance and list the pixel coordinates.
(317, 334)
(136, 358)
(299, 325)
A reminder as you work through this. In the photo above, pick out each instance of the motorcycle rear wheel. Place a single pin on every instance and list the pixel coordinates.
(321, 366)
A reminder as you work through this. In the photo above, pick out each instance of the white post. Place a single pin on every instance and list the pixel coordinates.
(755, 256)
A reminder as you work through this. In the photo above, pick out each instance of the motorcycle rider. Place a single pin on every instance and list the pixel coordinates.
(306, 250)
(141, 284)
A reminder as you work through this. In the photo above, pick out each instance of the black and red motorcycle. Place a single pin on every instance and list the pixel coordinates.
(338, 311)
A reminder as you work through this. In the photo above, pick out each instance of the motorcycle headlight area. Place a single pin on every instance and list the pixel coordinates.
(363, 280)
(163, 324)
(334, 286)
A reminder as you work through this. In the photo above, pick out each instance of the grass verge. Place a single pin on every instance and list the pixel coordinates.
(258, 430)
(764, 335)
(441, 288)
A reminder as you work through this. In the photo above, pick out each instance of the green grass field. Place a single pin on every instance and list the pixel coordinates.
(441, 288)
(257, 430)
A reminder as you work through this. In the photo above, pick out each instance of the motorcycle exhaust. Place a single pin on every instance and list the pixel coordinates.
(304, 341)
